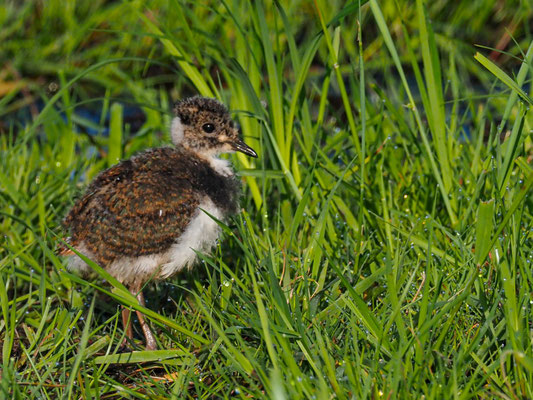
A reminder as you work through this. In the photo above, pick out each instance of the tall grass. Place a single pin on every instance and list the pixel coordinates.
(385, 242)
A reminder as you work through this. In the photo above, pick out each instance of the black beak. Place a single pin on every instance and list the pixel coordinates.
(239, 145)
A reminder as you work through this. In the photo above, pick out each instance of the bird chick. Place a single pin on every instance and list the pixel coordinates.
(146, 217)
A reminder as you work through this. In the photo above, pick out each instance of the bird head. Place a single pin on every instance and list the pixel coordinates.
(204, 126)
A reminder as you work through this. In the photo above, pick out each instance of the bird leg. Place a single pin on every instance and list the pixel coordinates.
(150, 339)
(151, 343)
(126, 323)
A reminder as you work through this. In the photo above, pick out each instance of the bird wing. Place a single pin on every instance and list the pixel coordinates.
(137, 207)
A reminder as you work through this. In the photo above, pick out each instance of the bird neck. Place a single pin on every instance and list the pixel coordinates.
(221, 166)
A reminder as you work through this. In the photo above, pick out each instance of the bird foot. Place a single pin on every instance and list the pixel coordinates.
(151, 343)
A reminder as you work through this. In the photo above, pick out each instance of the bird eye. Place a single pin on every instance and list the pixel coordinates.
(208, 128)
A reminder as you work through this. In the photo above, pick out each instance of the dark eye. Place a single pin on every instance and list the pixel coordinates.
(208, 128)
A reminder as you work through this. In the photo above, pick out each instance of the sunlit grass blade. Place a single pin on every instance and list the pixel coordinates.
(274, 90)
(484, 224)
(435, 108)
(114, 154)
(503, 77)
(144, 357)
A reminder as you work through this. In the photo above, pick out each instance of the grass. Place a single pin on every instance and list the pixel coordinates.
(385, 242)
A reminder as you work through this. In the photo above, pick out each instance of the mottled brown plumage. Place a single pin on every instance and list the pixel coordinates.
(142, 205)
(142, 218)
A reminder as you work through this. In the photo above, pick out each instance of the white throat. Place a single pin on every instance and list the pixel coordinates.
(221, 166)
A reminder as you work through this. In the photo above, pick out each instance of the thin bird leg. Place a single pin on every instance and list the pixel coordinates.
(126, 323)
(150, 339)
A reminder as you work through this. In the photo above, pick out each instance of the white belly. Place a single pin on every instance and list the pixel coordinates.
(200, 235)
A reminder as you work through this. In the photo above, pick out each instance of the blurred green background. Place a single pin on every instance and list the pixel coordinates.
(385, 245)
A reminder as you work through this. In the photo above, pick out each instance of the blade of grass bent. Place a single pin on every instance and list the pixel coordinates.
(520, 80)
(503, 77)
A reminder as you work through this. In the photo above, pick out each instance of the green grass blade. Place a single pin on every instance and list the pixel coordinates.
(484, 226)
(503, 77)
(114, 154)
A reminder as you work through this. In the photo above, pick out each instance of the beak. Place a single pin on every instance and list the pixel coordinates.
(239, 145)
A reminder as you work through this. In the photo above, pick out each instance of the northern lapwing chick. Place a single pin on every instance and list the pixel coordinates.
(145, 217)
